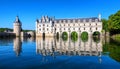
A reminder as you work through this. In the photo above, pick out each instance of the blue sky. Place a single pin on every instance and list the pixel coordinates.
(29, 10)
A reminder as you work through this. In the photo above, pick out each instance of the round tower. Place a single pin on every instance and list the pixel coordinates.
(17, 26)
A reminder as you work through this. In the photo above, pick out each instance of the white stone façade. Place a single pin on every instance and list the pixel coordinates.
(50, 26)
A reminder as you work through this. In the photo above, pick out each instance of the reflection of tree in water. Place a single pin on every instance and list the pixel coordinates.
(6, 41)
(96, 39)
(113, 48)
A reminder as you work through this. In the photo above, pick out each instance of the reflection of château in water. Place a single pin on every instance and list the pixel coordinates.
(52, 47)
(18, 43)
(17, 46)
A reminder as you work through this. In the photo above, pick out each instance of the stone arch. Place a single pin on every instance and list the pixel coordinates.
(74, 36)
(43, 35)
(74, 31)
(84, 36)
(96, 34)
(85, 31)
(65, 35)
(58, 35)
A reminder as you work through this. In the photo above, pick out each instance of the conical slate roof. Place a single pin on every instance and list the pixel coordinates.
(17, 20)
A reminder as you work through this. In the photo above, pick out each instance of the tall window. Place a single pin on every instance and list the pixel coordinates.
(84, 28)
(96, 28)
(73, 24)
(43, 24)
(84, 24)
(68, 28)
(68, 24)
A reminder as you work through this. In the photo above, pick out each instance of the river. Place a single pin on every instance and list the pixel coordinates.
(52, 53)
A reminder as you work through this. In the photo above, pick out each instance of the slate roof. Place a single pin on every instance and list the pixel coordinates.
(17, 20)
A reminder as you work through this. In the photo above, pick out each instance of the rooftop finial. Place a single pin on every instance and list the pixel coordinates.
(99, 17)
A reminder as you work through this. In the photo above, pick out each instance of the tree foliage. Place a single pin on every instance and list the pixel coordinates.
(74, 36)
(3, 29)
(84, 36)
(105, 25)
(114, 23)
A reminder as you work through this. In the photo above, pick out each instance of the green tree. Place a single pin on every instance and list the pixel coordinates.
(105, 25)
(114, 23)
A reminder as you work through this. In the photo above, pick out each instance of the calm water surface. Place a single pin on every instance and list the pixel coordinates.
(51, 53)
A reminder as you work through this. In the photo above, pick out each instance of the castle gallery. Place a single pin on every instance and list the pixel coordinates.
(49, 26)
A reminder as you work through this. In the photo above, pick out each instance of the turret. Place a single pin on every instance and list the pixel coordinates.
(17, 26)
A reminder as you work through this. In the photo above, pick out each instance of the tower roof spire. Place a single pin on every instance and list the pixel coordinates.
(17, 20)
